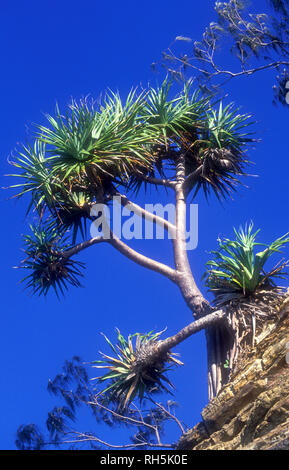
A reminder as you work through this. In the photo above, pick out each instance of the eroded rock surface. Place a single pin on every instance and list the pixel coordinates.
(252, 411)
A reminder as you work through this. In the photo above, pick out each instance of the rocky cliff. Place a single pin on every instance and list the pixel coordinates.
(252, 411)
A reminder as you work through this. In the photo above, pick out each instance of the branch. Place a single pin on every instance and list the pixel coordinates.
(191, 177)
(84, 437)
(146, 214)
(121, 417)
(142, 260)
(157, 181)
(249, 71)
(192, 328)
(127, 251)
(219, 71)
(82, 246)
(88, 438)
(167, 412)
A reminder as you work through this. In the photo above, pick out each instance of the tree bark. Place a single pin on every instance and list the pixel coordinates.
(216, 349)
(186, 282)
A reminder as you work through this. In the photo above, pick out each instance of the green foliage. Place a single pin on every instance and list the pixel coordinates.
(91, 148)
(34, 169)
(133, 371)
(47, 263)
(238, 270)
(97, 144)
(218, 153)
(73, 212)
(69, 208)
(227, 364)
(82, 156)
(172, 117)
(225, 128)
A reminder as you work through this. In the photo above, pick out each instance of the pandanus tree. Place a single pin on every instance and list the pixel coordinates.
(97, 151)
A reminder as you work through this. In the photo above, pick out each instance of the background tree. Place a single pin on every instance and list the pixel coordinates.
(257, 41)
(96, 151)
(144, 427)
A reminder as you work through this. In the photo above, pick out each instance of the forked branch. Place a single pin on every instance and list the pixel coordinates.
(127, 251)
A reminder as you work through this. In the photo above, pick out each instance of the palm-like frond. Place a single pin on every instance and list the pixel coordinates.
(171, 118)
(219, 154)
(226, 128)
(79, 156)
(35, 172)
(132, 372)
(72, 211)
(68, 204)
(45, 258)
(238, 270)
(98, 144)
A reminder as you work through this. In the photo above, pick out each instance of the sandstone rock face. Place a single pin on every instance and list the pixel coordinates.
(252, 411)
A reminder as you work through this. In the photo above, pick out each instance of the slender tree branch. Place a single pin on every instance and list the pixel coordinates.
(88, 438)
(140, 211)
(82, 246)
(83, 437)
(157, 181)
(247, 36)
(189, 330)
(128, 252)
(190, 178)
(219, 71)
(167, 412)
(249, 71)
(121, 417)
(142, 260)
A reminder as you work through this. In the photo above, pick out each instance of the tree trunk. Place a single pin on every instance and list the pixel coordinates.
(217, 341)
(221, 352)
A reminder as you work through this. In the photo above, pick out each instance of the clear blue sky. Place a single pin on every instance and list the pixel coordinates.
(51, 51)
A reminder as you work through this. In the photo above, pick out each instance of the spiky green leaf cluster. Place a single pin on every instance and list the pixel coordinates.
(45, 259)
(93, 146)
(136, 369)
(81, 156)
(237, 269)
(97, 143)
(218, 153)
(171, 117)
